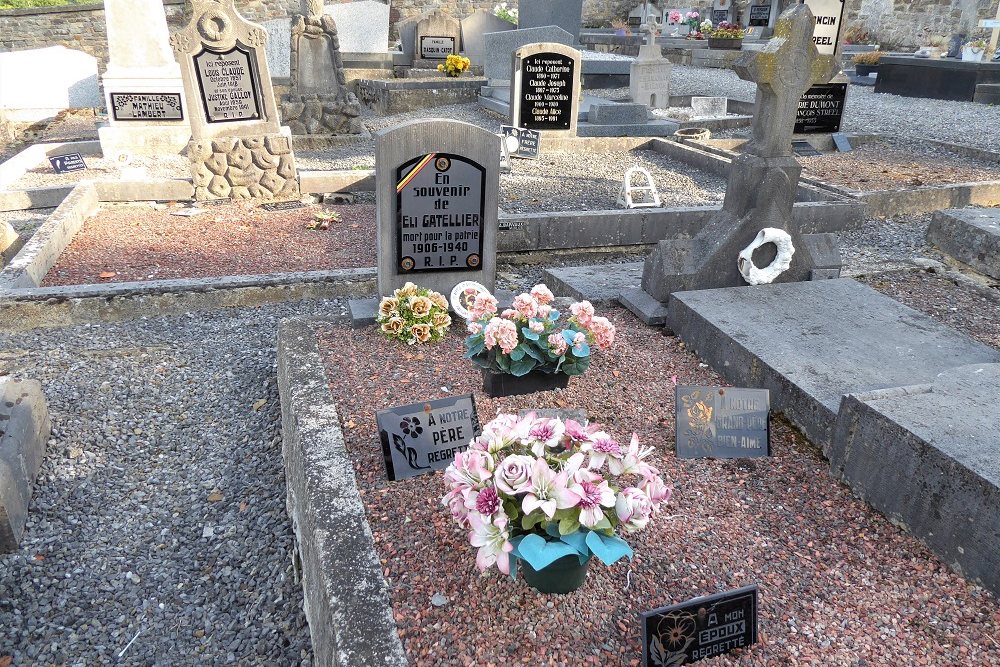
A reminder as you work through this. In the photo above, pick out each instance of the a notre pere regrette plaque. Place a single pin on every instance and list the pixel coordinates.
(546, 91)
(722, 422)
(700, 628)
(423, 437)
(146, 106)
(440, 208)
(228, 84)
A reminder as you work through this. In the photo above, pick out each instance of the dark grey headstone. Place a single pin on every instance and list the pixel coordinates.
(501, 45)
(474, 29)
(567, 14)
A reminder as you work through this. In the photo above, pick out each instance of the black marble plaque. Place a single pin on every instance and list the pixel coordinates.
(146, 106)
(803, 148)
(760, 15)
(700, 628)
(547, 91)
(424, 437)
(524, 142)
(719, 15)
(227, 81)
(722, 422)
(440, 207)
(821, 109)
(66, 163)
(436, 48)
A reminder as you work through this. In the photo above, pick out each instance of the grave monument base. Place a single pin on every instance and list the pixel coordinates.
(143, 137)
(322, 114)
(149, 140)
(259, 167)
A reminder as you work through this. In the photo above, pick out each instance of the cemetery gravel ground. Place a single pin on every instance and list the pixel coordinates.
(160, 507)
(839, 584)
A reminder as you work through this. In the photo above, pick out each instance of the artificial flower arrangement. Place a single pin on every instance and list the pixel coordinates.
(691, 18)
(414, 315)
(725, 30)
(540, 489)
(675, 16)
(454, 65)
(506, 13)
(529, 337)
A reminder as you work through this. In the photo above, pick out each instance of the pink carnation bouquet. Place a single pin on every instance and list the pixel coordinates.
(540, 489)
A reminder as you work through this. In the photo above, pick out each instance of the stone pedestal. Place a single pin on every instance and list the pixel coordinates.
(649, 76)
(143, 91)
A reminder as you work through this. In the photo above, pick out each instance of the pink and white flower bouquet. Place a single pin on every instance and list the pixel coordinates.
(529, 336)
(540, 489)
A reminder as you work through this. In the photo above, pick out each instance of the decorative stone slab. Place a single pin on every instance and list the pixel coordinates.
(812, 342)
(709, 107)
(928, 457)
(347, 602)
(617, 114)
(599, 283)
(970, 235)
(567, 14)
(474, 29)
(24, 433)
(363, 26)
(436, 36)
(500, 46)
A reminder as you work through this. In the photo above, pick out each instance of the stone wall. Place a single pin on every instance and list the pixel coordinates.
(894, 23)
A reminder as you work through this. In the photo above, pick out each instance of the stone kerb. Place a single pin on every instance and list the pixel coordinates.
(518, 85)
(347, 603)
(24, 433)
(397, 146)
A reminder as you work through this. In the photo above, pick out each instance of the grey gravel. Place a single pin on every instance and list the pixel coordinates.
(160, 507)
(26, 222)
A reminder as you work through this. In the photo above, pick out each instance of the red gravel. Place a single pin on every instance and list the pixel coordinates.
(137, 242)
(839, 584)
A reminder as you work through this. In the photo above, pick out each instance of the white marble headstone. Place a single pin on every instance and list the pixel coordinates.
(70, 78)
(363, 27)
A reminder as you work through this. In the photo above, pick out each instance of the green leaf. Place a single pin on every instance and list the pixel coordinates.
(577, 540)
(517, 353)
(528, 333)
(522, 366)
(540, 553)
(503, 362)
(568, 525)
(610, 549)
(529, 521)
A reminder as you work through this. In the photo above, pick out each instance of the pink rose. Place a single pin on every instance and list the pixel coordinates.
(583, 311)
(654, 488)
(542, 294)
(558, 344)
(526, 305)
(633, 508)
(603, 331)
(513, 474)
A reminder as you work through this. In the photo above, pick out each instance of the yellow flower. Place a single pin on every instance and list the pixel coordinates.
(409, 289)
(421, 332)
(440, 68)
(421, 306)
(441, 320)
(438, 300)
(393, 325)
(389, 306)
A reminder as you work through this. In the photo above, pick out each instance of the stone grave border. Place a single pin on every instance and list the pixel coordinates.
(24, 436)
(347, 601)
(897, 201)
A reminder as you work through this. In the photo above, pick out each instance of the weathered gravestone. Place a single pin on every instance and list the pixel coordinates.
(364, 25)
(438, 35)
(318, 101)
(709, 107)
(757, 210)
(142, 84)
(437, 183)
(649, 75)
(545, 88)
(407, 29)
(237, 148)
(474, 28)
(500, 46)
(567, 14)
(279, 45)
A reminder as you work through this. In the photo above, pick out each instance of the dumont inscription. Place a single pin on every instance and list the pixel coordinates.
(146, 106)
(228, 85)
(440, 210)
(546, 91)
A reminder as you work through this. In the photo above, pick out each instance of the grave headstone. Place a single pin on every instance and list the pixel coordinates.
(424, 437)
(842, 143)
(545, 88)
(644, 11)
(364, 25)
(722, 10)
(649, 75)
(474, 29)
(762, 13)
(318, 101)
(821, 109)
(62, 164)
(279, 45)
(762, 182)
(437, 183)
(142, 84)
(722, 422)
(567, 14)
(70, 83)
(237, 148)
(437, 35)
(520, 142)
(407, 29)
(829, 15)
(700, 628)
(709, 107)
(500, 46)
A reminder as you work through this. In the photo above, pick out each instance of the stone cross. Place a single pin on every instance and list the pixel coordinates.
(783, 71)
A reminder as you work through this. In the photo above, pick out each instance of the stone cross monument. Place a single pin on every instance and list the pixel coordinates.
(649, 74)
(318, 101)
(142, 85)
(761, 189)
(238, 149)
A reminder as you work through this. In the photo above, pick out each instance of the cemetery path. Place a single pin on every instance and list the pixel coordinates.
(159, 514)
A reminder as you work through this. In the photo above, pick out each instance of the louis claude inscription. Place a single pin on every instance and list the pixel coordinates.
(228, 85)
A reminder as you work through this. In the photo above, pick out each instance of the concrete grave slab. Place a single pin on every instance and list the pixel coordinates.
(970, 235)
(938, 451)
(812, 342)
(617, 114)
(599, 283)
(363, 26)
(24, 433)
(709, 107)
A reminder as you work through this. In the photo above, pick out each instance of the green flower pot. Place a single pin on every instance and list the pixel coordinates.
(564, 575)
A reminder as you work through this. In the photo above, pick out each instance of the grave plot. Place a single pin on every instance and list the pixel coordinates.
(135, 242)
(104, 168)
(838, 582)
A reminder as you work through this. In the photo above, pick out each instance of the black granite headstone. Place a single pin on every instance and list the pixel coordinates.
(821, 109)
(424, 437)
(722, 422)
(760, 15)
(547, 91)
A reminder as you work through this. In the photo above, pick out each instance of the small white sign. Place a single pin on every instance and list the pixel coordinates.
(436, 48)
(829, 15)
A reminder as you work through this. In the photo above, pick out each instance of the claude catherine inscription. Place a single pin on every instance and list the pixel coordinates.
(546, 91)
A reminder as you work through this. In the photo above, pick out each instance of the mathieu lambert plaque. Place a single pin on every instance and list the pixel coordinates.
(423, 437)
(440, 210)
(146, 106)
(228, 84)
(700, 628)
(722, 422)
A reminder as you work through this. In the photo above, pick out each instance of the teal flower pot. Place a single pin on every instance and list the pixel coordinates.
(564, 575)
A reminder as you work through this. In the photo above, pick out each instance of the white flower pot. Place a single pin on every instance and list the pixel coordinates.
(972, 55)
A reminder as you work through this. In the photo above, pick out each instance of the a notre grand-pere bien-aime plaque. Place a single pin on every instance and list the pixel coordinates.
(440, 208)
